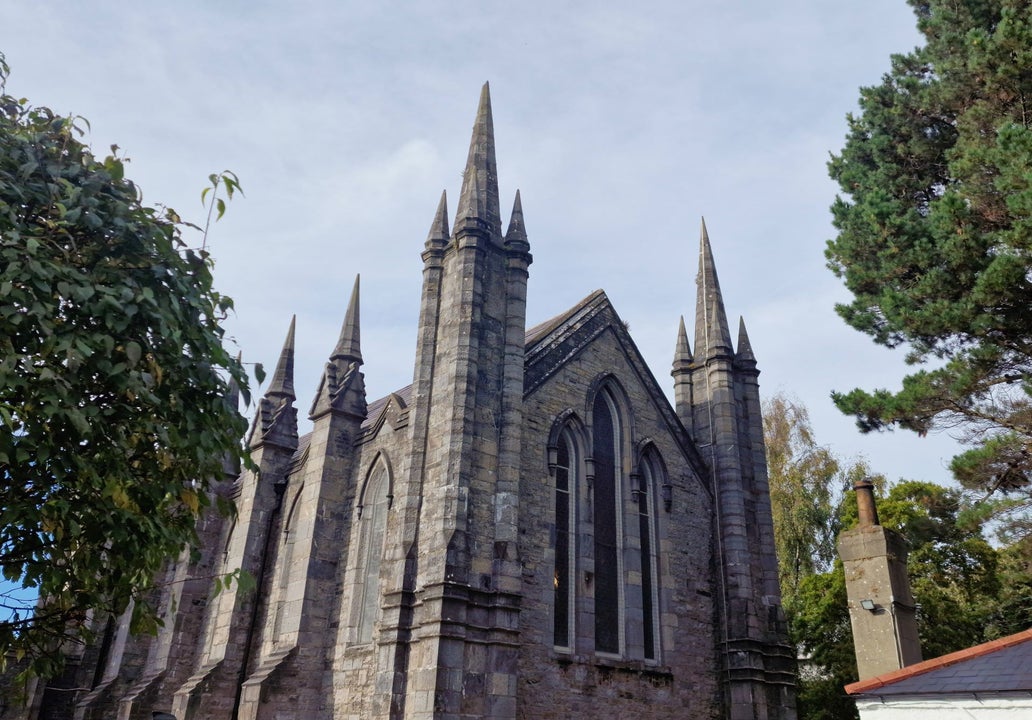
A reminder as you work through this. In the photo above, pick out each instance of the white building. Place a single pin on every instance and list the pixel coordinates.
(991, 680)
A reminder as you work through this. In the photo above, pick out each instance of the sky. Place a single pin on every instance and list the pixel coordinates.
(621, 124)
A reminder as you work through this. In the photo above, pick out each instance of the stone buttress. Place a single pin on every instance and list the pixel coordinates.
(228, 637)
(291, 668)
(452, 604)
(720, 386)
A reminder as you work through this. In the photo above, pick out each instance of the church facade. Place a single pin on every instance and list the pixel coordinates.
(530, 530)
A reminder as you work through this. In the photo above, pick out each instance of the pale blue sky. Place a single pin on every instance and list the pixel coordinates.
(621, 126)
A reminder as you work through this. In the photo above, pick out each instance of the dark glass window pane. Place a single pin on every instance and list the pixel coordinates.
(607, 587)
(562, 569)
(645, 530)
(562, 465)
(564, 475)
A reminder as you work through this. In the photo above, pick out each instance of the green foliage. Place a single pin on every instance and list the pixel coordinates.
(807, 484)
(803, 478)
(968, 592)
(819, 624)
(1013, 611)
(113, 383)
(935, 236)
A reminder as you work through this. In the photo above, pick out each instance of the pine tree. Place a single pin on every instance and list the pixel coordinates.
(935, 237)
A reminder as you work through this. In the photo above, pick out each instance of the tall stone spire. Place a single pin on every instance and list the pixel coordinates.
(759, 661)
(712, 336)
(469, 372)
(349, 345)
(478, 201)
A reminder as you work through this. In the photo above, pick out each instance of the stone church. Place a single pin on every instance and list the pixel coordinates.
(529, 530)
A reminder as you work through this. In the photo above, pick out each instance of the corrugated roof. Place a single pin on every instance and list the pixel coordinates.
(999, 666)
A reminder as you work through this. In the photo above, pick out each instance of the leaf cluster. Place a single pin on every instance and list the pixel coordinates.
(113, 382)
(935, 234)
(967, 590)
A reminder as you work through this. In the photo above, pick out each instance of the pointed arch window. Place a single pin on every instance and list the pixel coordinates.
(286, 563)
(606, 517)
(565, 522)
(371, 526)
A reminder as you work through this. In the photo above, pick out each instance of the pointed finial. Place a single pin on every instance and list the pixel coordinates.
(745, 351)
(683, 352)
(712, 336)
(438, 235)
(517, 232)
(478, 201)
(282, 384)
(349, 344)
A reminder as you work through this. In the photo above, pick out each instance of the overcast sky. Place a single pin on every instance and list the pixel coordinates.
(621, 123)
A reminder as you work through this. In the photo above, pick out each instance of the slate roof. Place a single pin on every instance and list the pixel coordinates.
(999, 666)
(376, 407)
(543, 328)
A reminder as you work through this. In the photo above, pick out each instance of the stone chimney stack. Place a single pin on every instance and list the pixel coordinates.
(881, 608)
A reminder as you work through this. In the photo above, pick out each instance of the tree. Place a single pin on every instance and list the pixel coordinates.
(955, 577)
(819, 624)
(968, 591)
(807, 488)
(113, 384)
(804, 480)
(935, 238)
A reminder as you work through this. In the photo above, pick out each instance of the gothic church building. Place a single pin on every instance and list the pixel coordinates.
(529, 530)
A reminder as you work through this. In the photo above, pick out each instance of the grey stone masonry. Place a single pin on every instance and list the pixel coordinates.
(530, 530)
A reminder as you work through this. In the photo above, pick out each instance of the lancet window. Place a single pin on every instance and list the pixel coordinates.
(566, 488)
(607, 525)
(371, 527)
(649, 479)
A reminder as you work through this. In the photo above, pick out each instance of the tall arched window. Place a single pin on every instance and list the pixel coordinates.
(370, 551)
(649, 478)
(565, 522)
(606, 452)
(286, 564)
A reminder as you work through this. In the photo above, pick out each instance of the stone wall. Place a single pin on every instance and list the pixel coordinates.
(579, 683)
